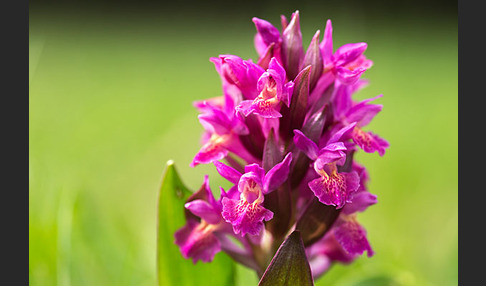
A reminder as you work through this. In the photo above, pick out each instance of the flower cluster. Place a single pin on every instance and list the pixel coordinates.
(284, 133)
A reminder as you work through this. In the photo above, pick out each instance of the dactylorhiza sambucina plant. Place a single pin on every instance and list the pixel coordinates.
(284, 133)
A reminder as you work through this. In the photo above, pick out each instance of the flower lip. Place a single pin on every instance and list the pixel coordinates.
(352, 236)
(335, 188)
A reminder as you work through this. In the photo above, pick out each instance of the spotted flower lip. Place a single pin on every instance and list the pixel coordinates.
(246, 213)
(284, 134)
(332, 187)
(352, 236)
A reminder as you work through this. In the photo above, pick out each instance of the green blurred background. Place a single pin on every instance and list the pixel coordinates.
(111, 86)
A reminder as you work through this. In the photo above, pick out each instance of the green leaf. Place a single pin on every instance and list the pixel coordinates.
(289, 266)
(172, 268)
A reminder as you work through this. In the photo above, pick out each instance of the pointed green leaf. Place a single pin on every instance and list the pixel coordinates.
(289, 266)
(172, 268)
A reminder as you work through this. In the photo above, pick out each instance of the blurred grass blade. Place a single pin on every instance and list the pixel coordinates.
(289, 266)
(172, 268)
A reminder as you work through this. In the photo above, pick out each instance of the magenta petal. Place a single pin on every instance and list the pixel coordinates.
(326, 45)
(335, 251)
(286, 95)
(284, 22)
(269, 34)
(360, 202)
(227, 172)
(208, 105)
(232, 193)
(246, 107)
(255, 168)
(278, 72)
(277, 175)
(215, 122)
(243, 74)
(327, 251)
(245, 217)
(266, 54)
(342, 100)
(370, 142)
(333, 147)
(204, 193)
(341, 133)
(363, 112)
(330, 154)
(208, 153)
(348, 53)
(270, 125)
(352, 236)
(204, 210)
(347, 76)
(362, 172)
(305, 144)
(259, 44)
(319, 264)
(196, 243)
